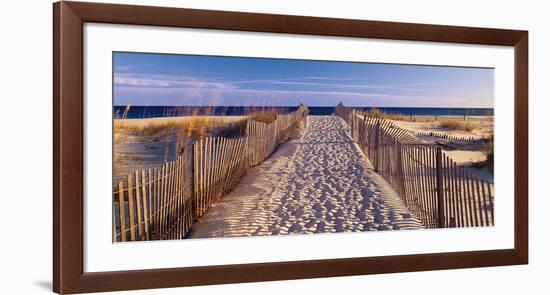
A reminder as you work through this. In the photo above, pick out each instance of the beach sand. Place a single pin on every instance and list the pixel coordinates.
(483, 126)
(149, 143)
(470, 155)
(319, 182)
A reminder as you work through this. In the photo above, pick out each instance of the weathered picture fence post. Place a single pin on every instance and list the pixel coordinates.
(377, 146)
(439, 187)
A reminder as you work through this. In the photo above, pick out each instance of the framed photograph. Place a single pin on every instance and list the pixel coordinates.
(196, 147)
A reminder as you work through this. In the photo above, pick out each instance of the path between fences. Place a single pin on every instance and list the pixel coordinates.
(162, 203)
(319, 182)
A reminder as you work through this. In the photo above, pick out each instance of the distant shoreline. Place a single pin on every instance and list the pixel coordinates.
(140, 112)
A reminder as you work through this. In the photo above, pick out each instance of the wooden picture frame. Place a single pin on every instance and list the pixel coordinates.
(68, 242)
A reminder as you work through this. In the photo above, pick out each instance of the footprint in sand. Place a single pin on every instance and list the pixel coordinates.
(326, 185)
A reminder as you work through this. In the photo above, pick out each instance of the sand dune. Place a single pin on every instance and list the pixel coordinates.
(465, 154)
(150, 142)
(483, 127)
(317, 183)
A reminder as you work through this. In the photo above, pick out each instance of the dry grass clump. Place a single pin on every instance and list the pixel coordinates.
(376, 113)
(458, 125)
(427, 119)
(395, 117)
(264, 117)
(148, 127)
(156, 129)
(205, 126)
(227, 130)
(161, 124)
(193, 126)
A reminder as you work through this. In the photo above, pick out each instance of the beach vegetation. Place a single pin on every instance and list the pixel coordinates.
(375, 113)
(264, 117)
(395, 117)
(156, 129)
(458, 125)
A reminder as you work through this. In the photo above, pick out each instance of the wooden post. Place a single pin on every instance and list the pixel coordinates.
(145, 204)
(192, 181)
(131, 208)
(353, 124)
(400, 170)
(122, 213)
(440, 199)
(114, 218)
(138, 204)
(377, 145)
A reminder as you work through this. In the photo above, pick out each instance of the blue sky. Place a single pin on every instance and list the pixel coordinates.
(176, 80)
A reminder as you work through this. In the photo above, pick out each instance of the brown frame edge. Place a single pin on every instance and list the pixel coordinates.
(68, 242)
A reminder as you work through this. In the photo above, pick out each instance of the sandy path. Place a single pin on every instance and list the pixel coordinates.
(320, 182)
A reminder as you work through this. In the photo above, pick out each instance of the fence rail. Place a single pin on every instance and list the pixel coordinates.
(156, 203)
(162, 203)
(436, 189)
(448, 137)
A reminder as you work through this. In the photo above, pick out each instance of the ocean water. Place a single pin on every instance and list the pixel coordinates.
(171, 111)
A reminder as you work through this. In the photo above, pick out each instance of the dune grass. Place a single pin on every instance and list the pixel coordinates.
(376, 113)
(264, 117)
(155, 129)
(458, 125)
(160, 124)
(147, 127)
(194, 126)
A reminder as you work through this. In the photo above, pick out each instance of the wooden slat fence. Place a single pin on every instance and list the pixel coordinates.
(436, 189)
(448, 137)
(162, 203)
(262, 140)
(156, 202)
(218, 165)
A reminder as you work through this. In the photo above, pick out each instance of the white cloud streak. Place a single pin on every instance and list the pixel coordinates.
(182, 88)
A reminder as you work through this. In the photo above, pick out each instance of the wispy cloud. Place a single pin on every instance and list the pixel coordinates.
(124, 68)
(166, 81)
(263, 92)
(298, 80)
(195, 89)
(339, 85)
(184, 81)
(156, 79)
(238, 96)
(336, 79)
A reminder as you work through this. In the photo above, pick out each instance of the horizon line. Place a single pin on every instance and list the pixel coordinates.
(317, 106)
